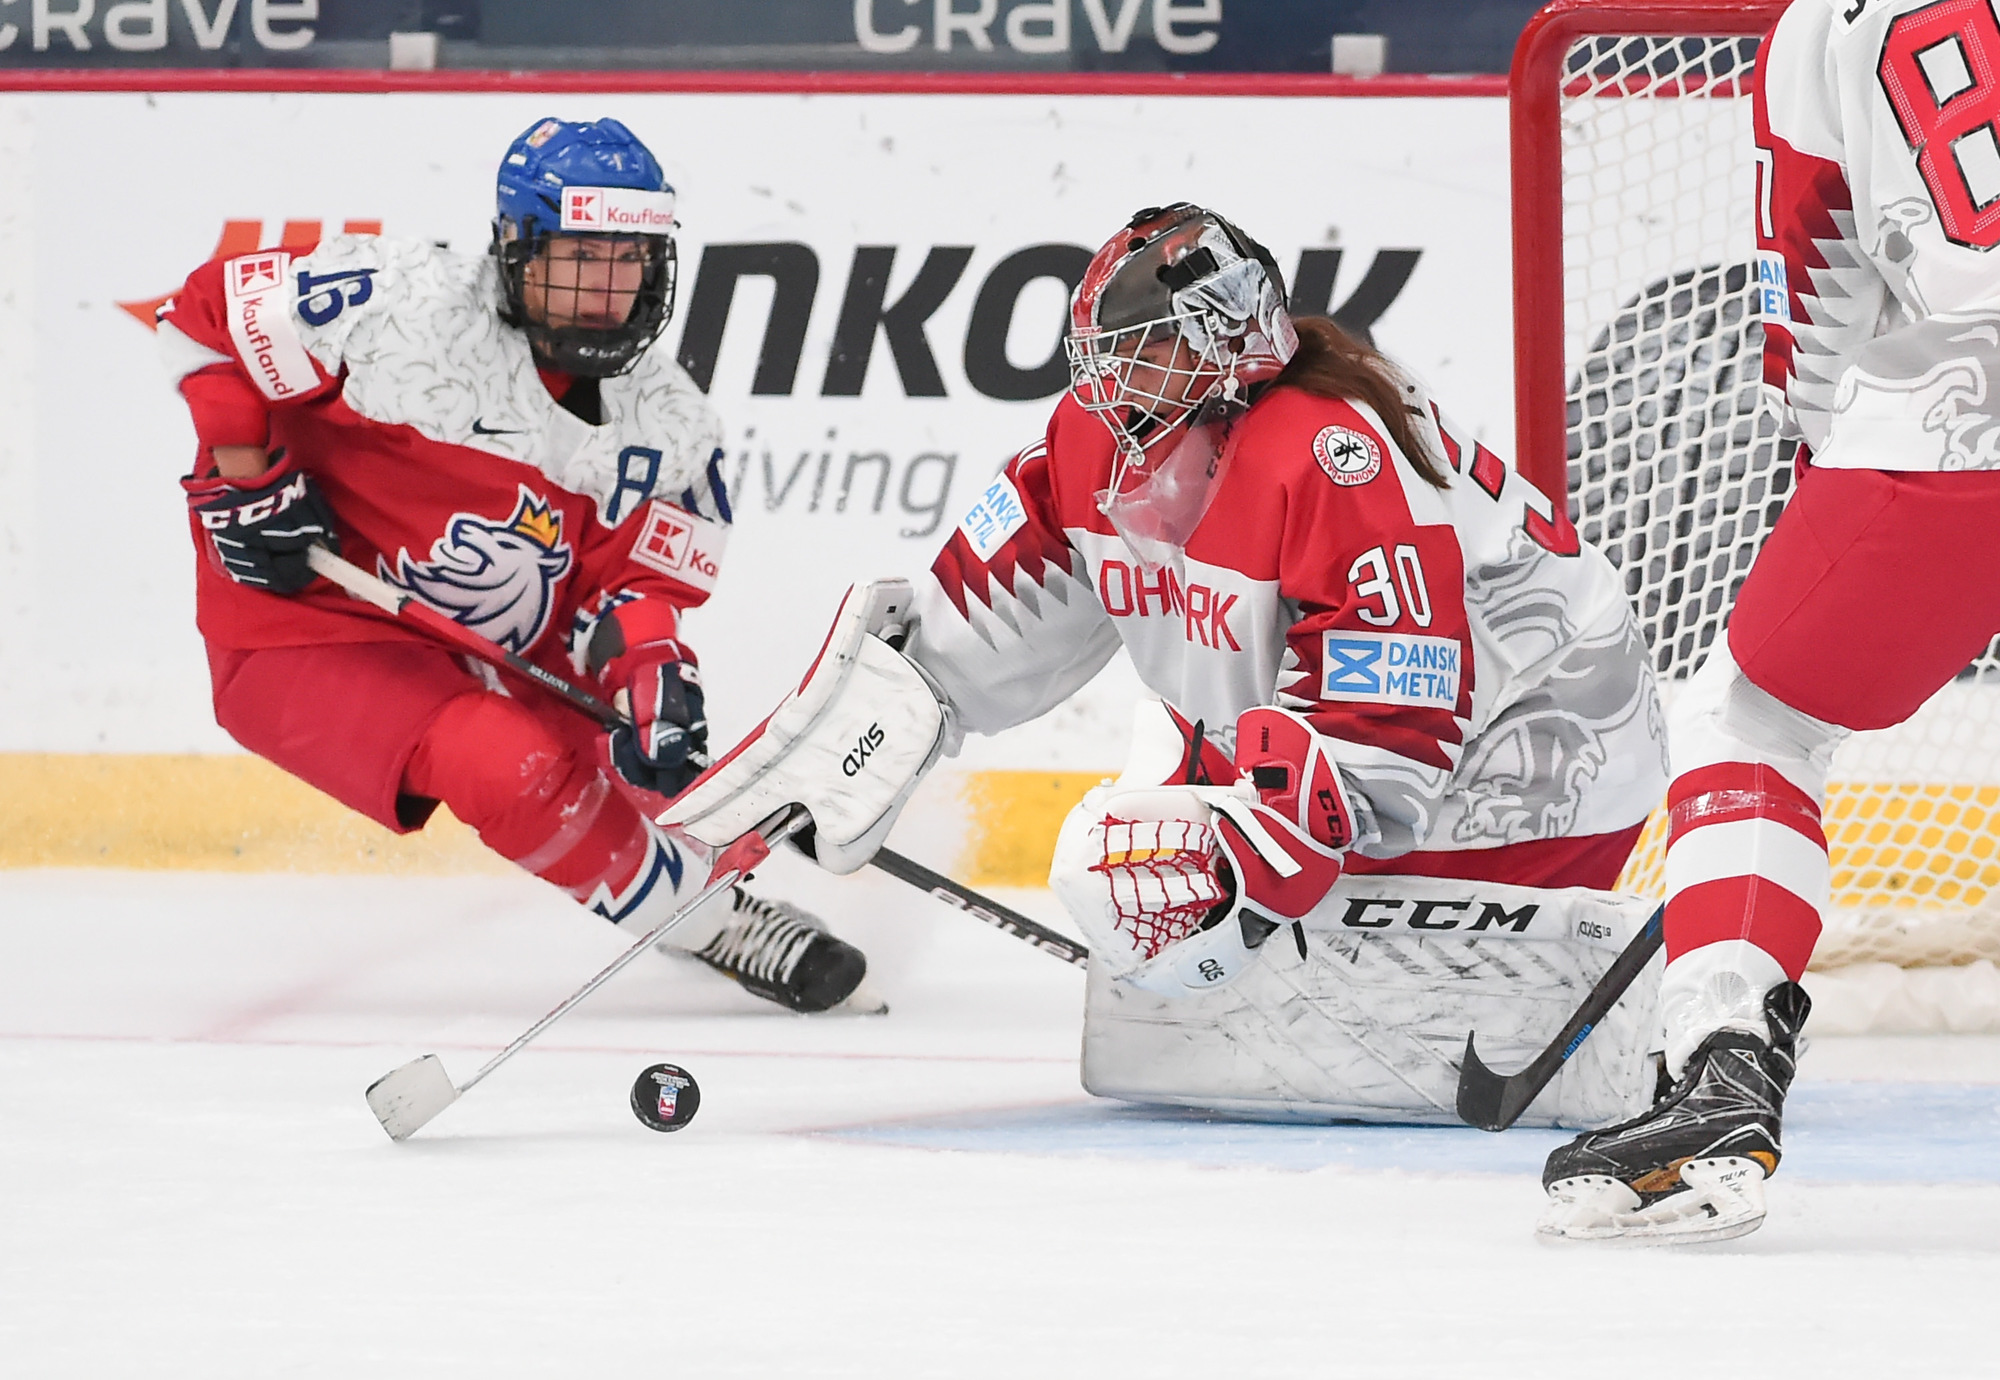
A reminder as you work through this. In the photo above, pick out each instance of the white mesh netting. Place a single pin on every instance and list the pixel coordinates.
(1677, 474)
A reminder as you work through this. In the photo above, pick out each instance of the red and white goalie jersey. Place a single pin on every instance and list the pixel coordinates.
(382, 367)
(1478, 669)
(1878, 209)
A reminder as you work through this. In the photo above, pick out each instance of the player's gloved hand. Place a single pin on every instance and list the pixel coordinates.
(1289, 765)
(260, 530)
(1280, 873)
(658, 687)
(1137, 869)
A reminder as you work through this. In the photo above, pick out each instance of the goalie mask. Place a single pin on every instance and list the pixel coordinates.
(1176, 319)
(584, 240)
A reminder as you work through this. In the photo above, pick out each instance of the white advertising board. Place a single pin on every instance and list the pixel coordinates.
(842, 464)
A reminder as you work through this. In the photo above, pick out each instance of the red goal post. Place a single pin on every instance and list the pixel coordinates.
(1543, 74)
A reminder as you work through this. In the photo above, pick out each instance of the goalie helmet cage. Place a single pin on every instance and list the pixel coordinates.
(1631, 130)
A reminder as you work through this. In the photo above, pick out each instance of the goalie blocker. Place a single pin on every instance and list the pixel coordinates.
(849, 744)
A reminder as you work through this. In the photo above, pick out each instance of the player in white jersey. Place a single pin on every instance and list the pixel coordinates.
(1399, 657)
(1878, 210)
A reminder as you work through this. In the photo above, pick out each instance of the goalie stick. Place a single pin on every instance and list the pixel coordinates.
(406, 1098)
(1493, 1101)
(402, 604)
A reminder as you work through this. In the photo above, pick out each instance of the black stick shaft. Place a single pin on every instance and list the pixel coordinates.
(393, 601)
(1493, 1101)
(980, 907)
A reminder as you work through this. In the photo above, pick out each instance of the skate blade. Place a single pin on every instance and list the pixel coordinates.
(1723, 1199)
(862, 1001)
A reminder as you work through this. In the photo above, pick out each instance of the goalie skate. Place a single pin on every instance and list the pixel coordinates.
(782, 954)
(1693, 1167)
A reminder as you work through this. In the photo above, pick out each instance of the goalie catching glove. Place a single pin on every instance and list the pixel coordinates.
(849, 744)
(1177, 885)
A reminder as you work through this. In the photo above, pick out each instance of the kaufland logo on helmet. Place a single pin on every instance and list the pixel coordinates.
(614, 210)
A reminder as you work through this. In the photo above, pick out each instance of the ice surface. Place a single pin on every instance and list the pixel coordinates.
(191, 1184)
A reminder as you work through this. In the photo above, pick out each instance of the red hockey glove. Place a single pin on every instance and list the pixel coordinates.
(1287, 761)
(1280, 873)
(659, 687)
(259, 531)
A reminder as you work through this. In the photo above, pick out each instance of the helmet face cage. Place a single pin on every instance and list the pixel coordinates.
(1179, 313)
(580, 206)
(1142, 381)
(607, 325)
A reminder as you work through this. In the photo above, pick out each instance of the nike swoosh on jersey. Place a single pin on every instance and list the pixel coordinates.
(479, 428)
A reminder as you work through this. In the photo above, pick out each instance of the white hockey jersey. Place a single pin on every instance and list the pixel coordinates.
(1878, 210)
(1478, 669)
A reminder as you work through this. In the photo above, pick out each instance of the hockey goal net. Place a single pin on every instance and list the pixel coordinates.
(1631, 126)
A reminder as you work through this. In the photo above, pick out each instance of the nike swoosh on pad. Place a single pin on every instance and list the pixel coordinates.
(479, 428)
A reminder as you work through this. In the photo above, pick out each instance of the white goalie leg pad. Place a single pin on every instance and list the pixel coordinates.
(1722, 1198)
(849, 744)
(1370, 1023)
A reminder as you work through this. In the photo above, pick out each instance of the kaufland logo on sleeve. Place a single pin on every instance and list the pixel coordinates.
(1390, 668)
(262, 327)
(257, 272)
(617, 210)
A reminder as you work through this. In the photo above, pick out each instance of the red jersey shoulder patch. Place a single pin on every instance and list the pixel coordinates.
(1348, 456)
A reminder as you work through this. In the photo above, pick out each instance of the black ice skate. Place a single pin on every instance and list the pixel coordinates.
(784, 955)
(1693, 1167)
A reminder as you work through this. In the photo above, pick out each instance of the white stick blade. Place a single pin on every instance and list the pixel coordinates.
(405, 1098)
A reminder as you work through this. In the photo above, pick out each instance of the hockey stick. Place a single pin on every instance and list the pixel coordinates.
(1493, 1101)
(981, 907)
(406, 1098)
(401, 604)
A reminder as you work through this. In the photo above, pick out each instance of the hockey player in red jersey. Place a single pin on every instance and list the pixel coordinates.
(1396, 635)
(1400, 657)
(1880, 296)
(500, 437)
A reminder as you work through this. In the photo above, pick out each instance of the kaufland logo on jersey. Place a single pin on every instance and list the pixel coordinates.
(681, 545)
(616, 210)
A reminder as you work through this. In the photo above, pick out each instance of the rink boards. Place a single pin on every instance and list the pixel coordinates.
(1394, 208)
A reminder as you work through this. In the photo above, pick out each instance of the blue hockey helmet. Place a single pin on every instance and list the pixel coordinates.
(592, 305)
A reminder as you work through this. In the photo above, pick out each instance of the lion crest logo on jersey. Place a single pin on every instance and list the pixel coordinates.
(1348, 456)
(497, 578)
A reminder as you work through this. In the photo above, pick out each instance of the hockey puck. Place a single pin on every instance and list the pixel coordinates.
(666, 1097)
